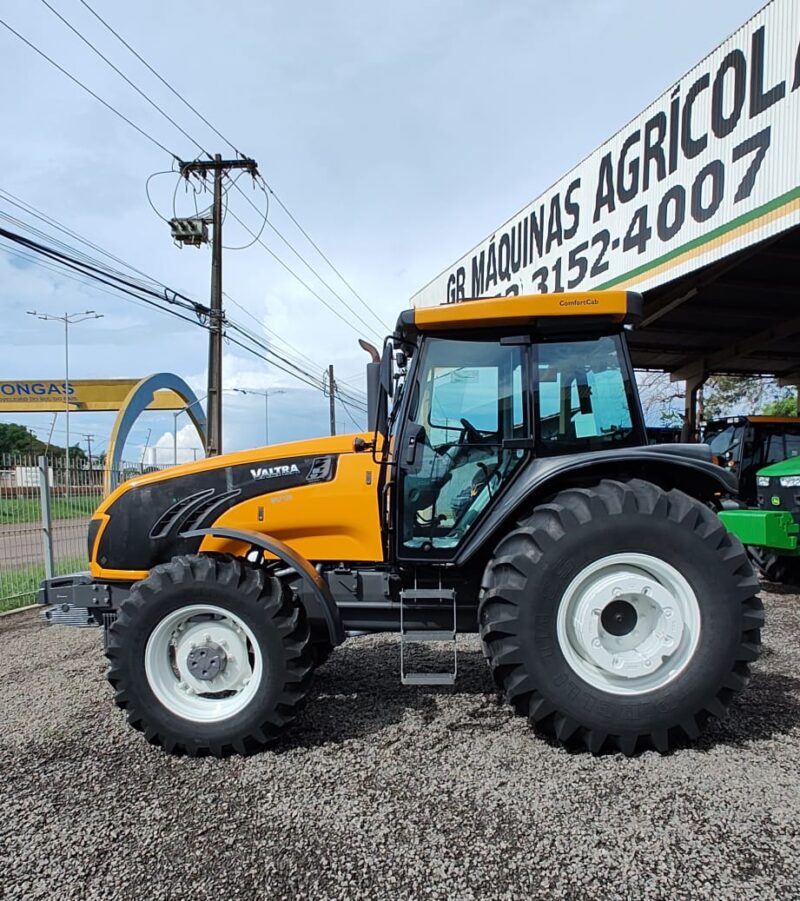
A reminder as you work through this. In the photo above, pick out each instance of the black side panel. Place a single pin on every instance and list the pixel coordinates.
(146, 522)
(541, 475)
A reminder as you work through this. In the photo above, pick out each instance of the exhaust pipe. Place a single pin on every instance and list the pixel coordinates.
(373, 383)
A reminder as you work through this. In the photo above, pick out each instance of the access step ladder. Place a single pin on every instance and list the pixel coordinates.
(413, 597)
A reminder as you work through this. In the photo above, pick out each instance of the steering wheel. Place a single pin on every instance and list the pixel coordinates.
(470, 433)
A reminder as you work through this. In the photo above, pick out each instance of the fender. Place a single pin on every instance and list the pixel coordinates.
(680, 463)
(325, 604)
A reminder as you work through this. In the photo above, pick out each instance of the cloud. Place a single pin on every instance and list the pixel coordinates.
(374, 124)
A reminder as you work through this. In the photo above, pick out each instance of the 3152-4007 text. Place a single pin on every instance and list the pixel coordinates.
(700, 202)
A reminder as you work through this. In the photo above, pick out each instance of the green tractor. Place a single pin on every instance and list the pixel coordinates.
(770, 530)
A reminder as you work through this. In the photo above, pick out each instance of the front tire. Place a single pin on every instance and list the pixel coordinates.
(620, 616)
(775, 568)
(210, 655)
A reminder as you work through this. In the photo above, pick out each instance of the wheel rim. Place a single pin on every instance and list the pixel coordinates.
(203, 663)
(629, 623)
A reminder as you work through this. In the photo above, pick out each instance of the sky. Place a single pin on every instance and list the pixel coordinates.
(397, 135)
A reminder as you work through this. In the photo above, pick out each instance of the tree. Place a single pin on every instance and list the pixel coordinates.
(782, 406)
(662, 400)
(721, 395)
(727, 395)
(16, 439)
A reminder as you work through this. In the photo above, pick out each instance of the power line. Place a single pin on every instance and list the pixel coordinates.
(63, 245)
(160, 78)
(122, 75)
(86, 272)
(88, 283)
(280, 202)
(302, 282)
(88, 90)
(54, 223)
(311, 268)
(297, 371)
(300, 357)
(103, 277)
(197, 144)
(346, 409)
(270, 331)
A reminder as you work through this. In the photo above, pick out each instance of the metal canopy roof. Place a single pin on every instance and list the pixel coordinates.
(738, 315)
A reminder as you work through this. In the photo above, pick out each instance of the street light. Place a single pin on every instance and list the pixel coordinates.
(68, 319)
(265, 394)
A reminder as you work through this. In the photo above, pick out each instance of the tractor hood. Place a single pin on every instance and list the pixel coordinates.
(790, 467)
(142, 522)
(257, 458)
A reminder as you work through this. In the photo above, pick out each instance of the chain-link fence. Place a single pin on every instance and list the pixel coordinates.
(45, 509)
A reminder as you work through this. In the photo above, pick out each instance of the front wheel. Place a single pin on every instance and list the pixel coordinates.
(775, 568)
(620, 615)
(210, 655)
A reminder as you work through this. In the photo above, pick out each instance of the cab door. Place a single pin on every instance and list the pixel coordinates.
(466, 432)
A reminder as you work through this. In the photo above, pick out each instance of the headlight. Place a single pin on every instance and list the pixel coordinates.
(763, 482)
(790, 482)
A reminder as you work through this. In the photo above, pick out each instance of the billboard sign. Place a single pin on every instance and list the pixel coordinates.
(708, 169)
(51, 396)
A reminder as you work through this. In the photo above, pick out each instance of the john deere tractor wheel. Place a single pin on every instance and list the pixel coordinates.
(620, 616)
(774, 568)
(209, 655)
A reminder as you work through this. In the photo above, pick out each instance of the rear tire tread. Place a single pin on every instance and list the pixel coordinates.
(520, 550)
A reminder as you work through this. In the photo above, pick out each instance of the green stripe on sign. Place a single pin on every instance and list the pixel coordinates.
(775, 204)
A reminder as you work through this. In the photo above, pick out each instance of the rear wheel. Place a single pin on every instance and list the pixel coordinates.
(209, 655)
(620, 616)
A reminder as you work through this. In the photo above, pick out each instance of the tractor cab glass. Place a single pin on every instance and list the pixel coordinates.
(466, 411)
(585, 400)
(476, 410)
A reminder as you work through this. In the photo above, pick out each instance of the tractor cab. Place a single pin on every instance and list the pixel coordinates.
(746, 444)
(473, 400)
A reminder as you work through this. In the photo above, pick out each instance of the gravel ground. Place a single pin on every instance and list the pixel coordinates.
(388, 792)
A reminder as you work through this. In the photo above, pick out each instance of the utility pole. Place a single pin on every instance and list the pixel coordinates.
(219, 167)
(144, 450)
(332, 398)
(68, 319)
(89, 445)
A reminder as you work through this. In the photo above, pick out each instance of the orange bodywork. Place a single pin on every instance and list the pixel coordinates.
(328, 521)
(324, 521)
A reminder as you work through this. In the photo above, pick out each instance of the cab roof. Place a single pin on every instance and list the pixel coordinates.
(525, 310)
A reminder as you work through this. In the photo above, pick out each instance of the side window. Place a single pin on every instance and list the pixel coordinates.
(792, 445)
(721, 442)
(585, 397)
(775, 450)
